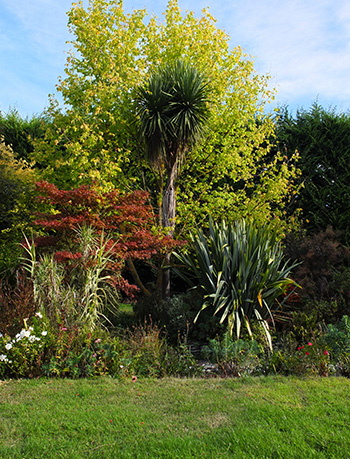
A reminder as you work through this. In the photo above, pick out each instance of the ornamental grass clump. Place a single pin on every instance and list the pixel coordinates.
(241, 271)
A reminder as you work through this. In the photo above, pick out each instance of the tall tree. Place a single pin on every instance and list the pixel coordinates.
(17, 178)
(172, 107)
(94, 137)
(322, 138)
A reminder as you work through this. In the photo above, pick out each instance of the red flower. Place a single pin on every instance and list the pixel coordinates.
(307, 353)
(326, 352)
(309, 344)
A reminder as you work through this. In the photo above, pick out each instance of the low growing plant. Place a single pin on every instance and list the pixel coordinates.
(234, 357)
(309, 358)
(80, 287)
(16, 303)
(337, 338)
(79, 353)
(23, 354)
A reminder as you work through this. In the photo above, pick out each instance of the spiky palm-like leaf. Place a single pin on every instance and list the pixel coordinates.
(172, 110)
(241, 270)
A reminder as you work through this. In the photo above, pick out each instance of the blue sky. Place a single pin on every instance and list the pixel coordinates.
(304, 45)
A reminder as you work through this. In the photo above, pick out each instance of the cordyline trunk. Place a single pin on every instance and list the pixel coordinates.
(168, 221)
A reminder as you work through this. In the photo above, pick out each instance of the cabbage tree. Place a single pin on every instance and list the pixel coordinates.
(172, 108)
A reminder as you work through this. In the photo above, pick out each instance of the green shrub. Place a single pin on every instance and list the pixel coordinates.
(234, 357)
(16, 204)
(147, 346)
(77, 353)
(309, 358)
(337, 338)
(314, 357)
(180, 362)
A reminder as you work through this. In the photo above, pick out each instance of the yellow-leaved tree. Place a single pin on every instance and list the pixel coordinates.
(95, 133)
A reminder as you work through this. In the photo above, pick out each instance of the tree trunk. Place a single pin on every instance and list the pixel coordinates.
(168, 222)
(169, 205)
(136, 277)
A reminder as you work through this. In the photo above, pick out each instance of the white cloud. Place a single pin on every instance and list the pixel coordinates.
(303, 45)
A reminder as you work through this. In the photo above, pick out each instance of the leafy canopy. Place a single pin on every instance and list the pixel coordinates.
(17, 178)
(322, 138)
(94, 134)
(126, 219)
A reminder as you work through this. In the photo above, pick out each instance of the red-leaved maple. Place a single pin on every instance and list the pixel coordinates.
(127, 219)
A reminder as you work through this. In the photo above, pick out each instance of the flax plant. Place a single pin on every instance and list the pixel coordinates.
(241, 271)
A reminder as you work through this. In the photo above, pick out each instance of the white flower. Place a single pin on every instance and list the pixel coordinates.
(31, 339)
(1, 335)
(3, 358)
(44, 333)
(8, 346)
(38, 314)
(22, 333)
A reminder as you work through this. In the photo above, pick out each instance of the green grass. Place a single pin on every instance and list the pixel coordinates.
(175, 418)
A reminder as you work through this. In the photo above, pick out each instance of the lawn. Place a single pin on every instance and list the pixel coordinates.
(266, 417)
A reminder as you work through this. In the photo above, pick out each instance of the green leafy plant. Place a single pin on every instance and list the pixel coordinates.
(337, 338)
(234, 357)
(148, 348)
(311, 358)
(241, 271)
(23, 354)
(180, 362)
(78, 353)
(17, 178)
(314, 357)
